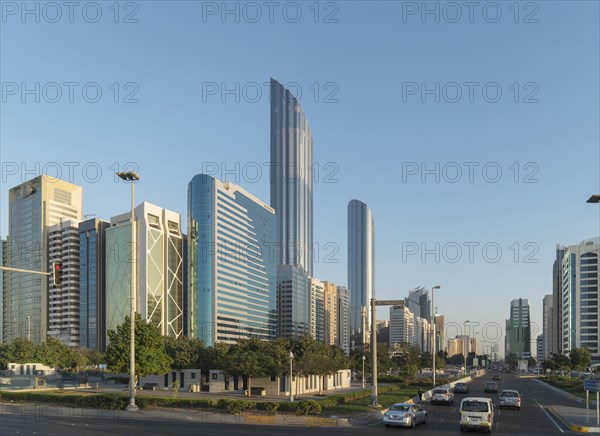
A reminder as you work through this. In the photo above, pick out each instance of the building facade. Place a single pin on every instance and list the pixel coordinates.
(580, 315)
(518, 335)
(291, 179)
(159, 268)
(331, 315)
(63, 299)
(92, 284)
(317, 309)
(231, 263)
(293, 301)
(33, 207)
(343, 311)
(555, 344)
(548, 317)
(4, 326)
(361, 265)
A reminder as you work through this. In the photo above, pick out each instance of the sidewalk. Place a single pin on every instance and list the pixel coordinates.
(574, 418)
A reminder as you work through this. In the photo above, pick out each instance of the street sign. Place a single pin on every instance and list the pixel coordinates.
(591, 385)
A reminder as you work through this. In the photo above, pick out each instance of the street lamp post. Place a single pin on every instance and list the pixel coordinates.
(434, 337)
(465, 343)
(291, 372)
(363, 371)
(132, 177)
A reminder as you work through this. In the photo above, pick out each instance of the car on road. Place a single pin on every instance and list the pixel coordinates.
(510, 398)
(461, 388)
(404, 415)
(490, 387)
(496, 377)
(442, 395)
(476, 413)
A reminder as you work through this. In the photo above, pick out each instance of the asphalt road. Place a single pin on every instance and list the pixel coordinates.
(532, 419)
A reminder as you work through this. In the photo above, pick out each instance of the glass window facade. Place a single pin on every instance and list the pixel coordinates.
(231, 259)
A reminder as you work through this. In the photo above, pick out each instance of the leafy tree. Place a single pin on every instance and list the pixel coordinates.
(406, 359)
(19, 351)
(558, 362)
(580, 358)
(185, 352)
(150, 354)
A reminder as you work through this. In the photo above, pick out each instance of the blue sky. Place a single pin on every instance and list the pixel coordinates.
(372, 132)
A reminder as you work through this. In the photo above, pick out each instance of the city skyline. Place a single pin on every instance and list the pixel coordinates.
(374, 140)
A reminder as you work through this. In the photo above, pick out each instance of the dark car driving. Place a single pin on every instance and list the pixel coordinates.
(461, 388)
(490, 387)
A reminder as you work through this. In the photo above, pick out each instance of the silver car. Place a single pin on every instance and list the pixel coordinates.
(510, 398)
(442, 395)
(404, 415)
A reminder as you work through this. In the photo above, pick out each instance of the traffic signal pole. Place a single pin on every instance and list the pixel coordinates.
(7, 268)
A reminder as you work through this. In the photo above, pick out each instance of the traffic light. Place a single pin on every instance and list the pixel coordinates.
(57, 272)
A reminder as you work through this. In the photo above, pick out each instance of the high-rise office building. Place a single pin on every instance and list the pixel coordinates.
(63, 298)
(419, 303)
(402, 325)
(548, 318)
(455, 347)
(293, 301)
(580, 297)
(518, 335)
(33, 207)
(440, 332)
(343, 318)
(3, 287)
(317, 309)
(406, 327)
(540, 348)
(232, 266)
(555, 343)
(291, 179)
(159, 262)
(361, 265)
(92, 284)
(330, 297)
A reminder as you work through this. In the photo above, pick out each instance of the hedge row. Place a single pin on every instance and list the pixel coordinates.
(114, 401)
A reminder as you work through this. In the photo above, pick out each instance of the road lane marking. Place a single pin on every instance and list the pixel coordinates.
(549, 417)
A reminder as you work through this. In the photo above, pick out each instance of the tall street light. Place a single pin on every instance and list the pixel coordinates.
(595, 198)
(434, 337)
(363, 371)
(132, 177)
(465, 343)
(28, 328)
(291, 376)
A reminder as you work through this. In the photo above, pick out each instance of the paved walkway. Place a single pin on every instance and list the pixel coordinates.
(574, 416)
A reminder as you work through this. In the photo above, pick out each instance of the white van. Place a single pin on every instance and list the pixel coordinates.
(476, 413)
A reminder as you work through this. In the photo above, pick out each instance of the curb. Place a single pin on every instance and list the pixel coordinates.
(572, 427)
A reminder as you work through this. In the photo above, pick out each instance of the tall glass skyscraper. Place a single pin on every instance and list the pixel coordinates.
(33, 207)
(92, 284)
(291, 179)
(361, 264)
(232, 266)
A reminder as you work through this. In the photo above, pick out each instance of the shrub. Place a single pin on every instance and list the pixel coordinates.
(103, 401)
(308, 407)
(270, 408)
(235, 407)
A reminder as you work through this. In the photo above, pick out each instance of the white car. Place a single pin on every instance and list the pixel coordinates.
(404, 415)
(442, 395)
(510, 398)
